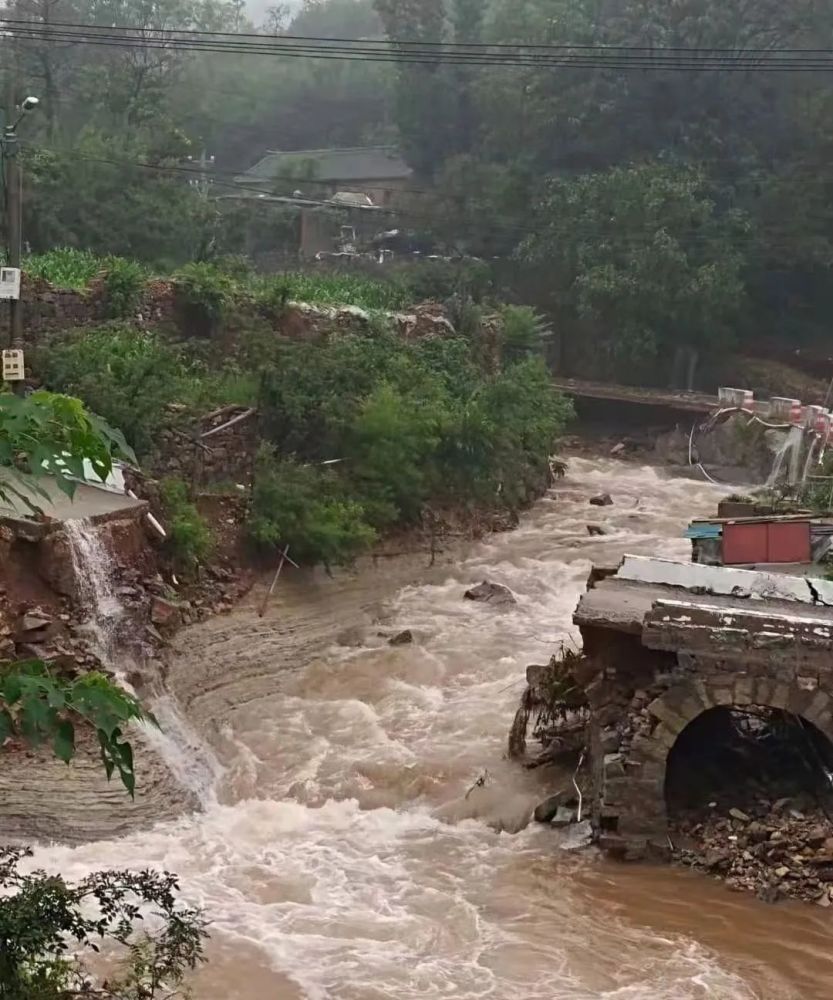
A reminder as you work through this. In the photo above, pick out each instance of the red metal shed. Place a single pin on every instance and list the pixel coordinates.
(766, 542)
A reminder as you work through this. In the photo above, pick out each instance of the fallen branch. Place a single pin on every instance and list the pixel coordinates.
(284, 559)
(231, 423)
(480, 783)
(191, 440)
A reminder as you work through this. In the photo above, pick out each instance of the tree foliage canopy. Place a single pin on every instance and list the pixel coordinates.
(49, 926)
(642, 251)
(408, 425)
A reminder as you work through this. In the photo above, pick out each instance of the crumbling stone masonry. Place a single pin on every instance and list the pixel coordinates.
(657, 657)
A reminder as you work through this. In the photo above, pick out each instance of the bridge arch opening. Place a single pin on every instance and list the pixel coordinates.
(747, 758)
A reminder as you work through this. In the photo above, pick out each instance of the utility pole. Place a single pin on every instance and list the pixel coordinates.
(14, 220)
(14, 206)
(13, 365)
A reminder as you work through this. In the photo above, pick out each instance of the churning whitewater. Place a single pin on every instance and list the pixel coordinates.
(346, 849)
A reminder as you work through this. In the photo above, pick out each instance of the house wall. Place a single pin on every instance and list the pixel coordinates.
(381, 192)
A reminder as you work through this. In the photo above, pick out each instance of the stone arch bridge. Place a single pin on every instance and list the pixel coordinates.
(665, 643)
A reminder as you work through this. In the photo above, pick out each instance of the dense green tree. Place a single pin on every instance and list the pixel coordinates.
(307, 509)
(114, 197)
(424, 92)
(642, 266)
(408, 425)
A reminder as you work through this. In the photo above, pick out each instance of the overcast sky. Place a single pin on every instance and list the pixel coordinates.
(257, 8)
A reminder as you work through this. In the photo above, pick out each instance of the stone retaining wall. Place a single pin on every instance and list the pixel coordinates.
(225, 456)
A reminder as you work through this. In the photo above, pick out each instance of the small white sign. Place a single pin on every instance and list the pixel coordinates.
(13, 366)
(9, 282)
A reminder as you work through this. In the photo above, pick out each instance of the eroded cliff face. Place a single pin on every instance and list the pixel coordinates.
(48, 613)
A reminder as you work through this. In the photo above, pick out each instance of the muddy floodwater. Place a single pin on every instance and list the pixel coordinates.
(339, 855)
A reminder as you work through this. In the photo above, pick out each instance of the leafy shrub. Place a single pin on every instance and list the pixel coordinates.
(124, 282)
(497, 442)
(414, 421)
(524, 332)
(126, 375)
(206, 292)
(64, 267)
(230, 385)
(305, 507)
(236, 266)
(440, 280)
(273, 294)
(312, 392)
(51, 926)
(390, 449)
(190, 540)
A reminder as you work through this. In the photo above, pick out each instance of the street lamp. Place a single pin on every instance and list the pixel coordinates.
(28, 105)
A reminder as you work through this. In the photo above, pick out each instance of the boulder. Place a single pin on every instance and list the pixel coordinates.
(545, 812)
(563, 817)
(579, 836)
(164, 612)
(34, 622)
(602, 500)
(816, 837)
(595, 530)
(491, 593)
(402, 639)
(718, 859)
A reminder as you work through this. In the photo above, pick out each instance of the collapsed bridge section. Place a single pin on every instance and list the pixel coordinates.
(673, 650)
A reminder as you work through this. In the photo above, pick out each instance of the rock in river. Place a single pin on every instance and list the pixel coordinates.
(545, 811)
(491, 593)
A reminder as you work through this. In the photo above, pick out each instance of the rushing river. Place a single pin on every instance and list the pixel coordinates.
(343, 853)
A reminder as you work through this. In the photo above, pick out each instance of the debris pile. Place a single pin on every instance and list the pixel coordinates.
(750, 797)
(776, 849)
(556, 704)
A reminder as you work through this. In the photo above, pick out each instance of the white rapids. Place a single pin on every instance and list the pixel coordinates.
(344, 856)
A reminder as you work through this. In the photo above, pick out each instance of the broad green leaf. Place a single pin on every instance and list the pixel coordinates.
(67, 486)
(36, 719)
(63, 742)
(11, 688)
(106, 755)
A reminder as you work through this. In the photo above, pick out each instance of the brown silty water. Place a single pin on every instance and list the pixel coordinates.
(341, 852)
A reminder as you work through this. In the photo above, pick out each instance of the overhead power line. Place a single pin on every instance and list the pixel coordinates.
(421, 43)
(394, 53)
